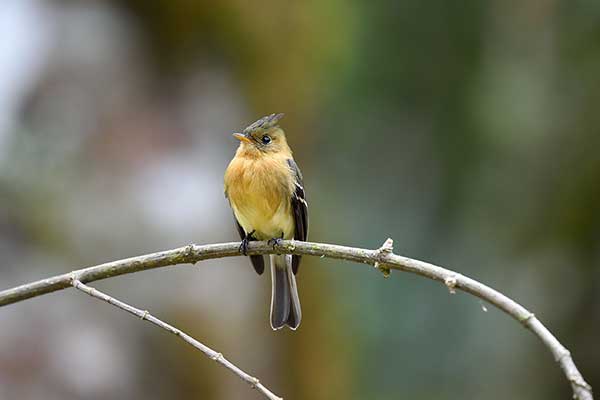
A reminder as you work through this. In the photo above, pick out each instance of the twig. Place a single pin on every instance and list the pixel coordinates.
(146, 316)
(194, 253)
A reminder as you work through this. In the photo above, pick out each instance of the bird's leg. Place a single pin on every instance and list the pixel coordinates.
(276, 241)
(244, 245)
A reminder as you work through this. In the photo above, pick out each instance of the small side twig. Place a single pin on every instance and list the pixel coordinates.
(450, 283)
(386, 249)
(146, 316)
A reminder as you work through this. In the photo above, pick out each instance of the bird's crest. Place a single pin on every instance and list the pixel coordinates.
(264, 123)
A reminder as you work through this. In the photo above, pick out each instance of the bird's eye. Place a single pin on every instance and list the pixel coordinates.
(266, 139)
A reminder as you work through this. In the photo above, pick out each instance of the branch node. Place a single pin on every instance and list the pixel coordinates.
(291, 246)
(216, 356)
(73, 279)
(255, 382)
(450, 283)
(386, 248)
(579, 382)
(563, 354)
(525, 320)
(188, 253)
(144, 315)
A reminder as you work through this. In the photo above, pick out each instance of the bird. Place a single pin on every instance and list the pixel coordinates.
(264, 187)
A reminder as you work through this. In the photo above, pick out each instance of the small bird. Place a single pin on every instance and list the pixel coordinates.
(264, 187)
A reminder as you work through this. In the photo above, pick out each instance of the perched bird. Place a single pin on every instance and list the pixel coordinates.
(264, 187)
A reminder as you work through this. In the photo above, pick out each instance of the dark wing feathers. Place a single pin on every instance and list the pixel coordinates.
(300, 210)
(258, 262)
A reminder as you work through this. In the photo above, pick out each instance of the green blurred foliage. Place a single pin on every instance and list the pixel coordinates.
(468, 132)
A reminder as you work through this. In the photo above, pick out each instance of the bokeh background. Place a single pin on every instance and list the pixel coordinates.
(467, 131)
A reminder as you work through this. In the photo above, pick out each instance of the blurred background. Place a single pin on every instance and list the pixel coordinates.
(468, 132)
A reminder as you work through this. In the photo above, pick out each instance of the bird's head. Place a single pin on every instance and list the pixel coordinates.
(263, 136)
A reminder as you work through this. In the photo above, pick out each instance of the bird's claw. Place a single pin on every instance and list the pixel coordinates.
(244, 246)
(275, 242)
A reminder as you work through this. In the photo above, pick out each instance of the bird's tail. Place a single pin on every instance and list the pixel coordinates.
(285, 304)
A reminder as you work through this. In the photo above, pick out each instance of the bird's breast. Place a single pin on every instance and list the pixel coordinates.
(259, 191)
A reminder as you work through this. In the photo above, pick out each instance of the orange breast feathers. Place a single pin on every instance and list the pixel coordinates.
(259, 190)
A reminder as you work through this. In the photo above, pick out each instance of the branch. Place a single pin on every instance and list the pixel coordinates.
(145, 315)
(383, 259)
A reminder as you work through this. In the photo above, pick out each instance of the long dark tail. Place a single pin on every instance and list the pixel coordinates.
(285, 304)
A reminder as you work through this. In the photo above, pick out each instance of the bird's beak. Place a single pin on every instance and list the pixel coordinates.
(241, 137)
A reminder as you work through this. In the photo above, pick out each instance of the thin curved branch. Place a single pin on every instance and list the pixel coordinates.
(146, 316)
(382, 258)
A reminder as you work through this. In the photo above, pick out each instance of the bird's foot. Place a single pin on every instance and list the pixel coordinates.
(244, 245)
(275, 242)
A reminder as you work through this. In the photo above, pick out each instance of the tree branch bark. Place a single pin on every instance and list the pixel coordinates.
(382, 258)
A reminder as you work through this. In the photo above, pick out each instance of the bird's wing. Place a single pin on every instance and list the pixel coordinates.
(299, 209)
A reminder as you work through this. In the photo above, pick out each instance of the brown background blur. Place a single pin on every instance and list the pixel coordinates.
(467, 131)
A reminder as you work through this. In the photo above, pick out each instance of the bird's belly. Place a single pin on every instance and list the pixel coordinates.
(266, 223)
